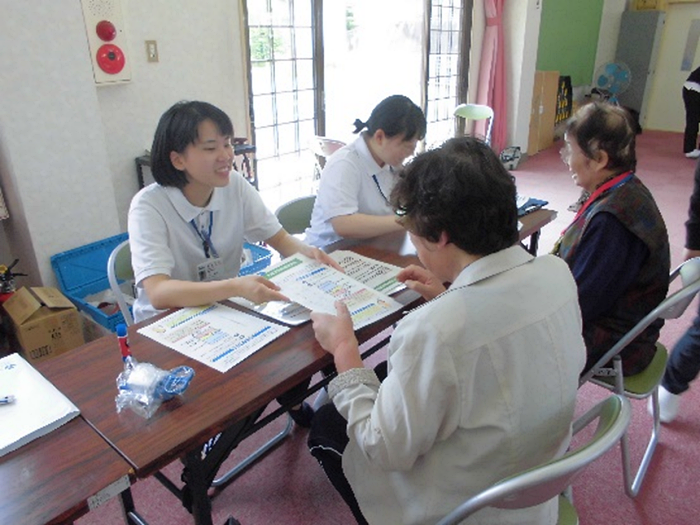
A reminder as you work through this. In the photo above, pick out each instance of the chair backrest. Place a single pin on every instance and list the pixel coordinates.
(295, 215)
(322, 148)
(671, 307)
(118, 270)
(477, 112)
(546, 481)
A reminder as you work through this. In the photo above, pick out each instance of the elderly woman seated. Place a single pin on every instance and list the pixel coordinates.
(617, 245)
(464, 402)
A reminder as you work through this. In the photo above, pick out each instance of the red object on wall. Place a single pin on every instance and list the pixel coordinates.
(110, 58)
(107, 43)
(106, 30)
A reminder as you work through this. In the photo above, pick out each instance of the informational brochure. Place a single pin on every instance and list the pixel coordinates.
(215, 335)
(315, 287)
(373, 273)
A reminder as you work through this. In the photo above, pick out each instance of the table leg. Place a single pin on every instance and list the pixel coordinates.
(534, 241)
(131, 517)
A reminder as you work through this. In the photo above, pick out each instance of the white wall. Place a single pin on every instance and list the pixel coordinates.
(67, 146)
(609, 31)
(666, 111)
(54, 162)
(522, 25)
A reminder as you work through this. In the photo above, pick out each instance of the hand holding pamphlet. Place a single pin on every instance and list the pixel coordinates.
(315, 286)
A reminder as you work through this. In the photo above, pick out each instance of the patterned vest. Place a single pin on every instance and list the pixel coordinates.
(633, 205)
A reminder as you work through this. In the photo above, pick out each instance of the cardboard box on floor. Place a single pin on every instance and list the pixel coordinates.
(46, 322)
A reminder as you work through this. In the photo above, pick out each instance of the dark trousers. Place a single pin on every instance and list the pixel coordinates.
(691, 100)
(684, 362)
(327, 440)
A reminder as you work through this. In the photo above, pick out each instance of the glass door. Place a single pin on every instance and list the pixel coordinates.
(283, 94)
(315, 67)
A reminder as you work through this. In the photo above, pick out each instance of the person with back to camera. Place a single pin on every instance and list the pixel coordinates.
(186, 231)
(617, 245)
(353, 194)
(464, 403)
(683, 364)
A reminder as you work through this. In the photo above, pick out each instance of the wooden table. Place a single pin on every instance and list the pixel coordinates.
(214, 402)
(532, 226)
(228, 403)
(58, 477)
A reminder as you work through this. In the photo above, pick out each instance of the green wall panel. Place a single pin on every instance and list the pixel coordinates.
(568, 38)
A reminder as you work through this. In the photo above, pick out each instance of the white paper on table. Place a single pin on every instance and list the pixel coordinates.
(215, 335)
(317, 287)
(39, 407)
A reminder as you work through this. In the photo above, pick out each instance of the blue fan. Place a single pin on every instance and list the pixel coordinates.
(612, 79)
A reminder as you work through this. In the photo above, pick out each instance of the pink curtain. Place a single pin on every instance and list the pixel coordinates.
(492, 74)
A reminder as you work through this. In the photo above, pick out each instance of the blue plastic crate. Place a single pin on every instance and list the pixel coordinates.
(261, 259)
(82, 272)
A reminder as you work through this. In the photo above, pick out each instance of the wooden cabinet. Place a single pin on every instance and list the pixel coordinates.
(543, 112)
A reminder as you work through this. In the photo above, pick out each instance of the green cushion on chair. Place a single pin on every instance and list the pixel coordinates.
(567, 512)
(642, 384)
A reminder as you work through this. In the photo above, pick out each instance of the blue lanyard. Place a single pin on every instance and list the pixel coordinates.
(376, 181)
(209, 249)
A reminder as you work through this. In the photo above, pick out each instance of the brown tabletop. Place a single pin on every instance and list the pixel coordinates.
(533, 224)
(50, 479)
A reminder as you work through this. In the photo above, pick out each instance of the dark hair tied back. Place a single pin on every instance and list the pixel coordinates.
(359, 125)
(396, 116)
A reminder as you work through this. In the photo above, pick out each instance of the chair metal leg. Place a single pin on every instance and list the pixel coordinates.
(632, 486)
(253, 457)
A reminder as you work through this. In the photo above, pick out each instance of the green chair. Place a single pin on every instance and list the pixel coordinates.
(551, 479)
(477, 112)
(645, 383)
(295, 215)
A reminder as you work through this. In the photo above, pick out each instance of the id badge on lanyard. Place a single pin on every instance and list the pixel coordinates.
(212, 268)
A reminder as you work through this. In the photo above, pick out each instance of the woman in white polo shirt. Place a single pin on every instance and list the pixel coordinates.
(353, 195)
(186, 231)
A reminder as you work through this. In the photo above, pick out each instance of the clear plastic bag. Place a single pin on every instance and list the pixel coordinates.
(143, 386)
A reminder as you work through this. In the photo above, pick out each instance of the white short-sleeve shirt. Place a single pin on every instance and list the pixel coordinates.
(163, 241)
(351, 182)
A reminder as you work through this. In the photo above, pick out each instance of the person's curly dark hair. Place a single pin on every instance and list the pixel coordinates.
(463, 189)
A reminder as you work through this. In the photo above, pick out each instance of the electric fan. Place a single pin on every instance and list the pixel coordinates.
(612, 79)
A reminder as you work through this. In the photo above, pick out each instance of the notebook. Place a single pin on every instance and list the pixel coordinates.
(38, 406)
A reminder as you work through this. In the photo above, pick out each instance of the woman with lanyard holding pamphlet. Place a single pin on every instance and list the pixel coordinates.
(353, 194)
(617, 245)
(186, 231)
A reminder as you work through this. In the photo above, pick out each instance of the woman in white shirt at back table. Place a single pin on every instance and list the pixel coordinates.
(353, 195)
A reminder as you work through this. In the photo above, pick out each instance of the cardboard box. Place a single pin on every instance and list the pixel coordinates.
(46, 322)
